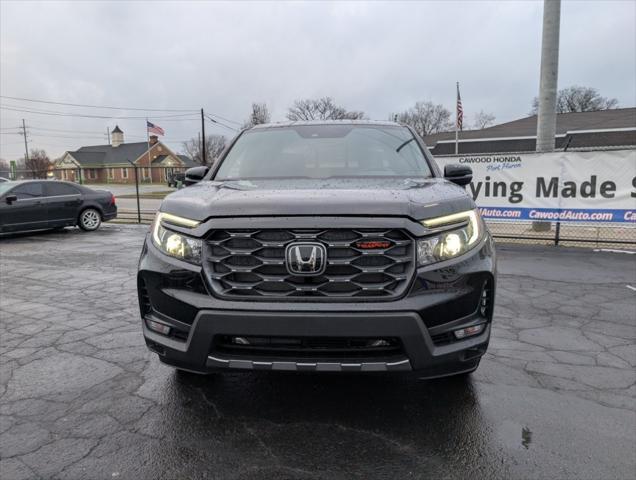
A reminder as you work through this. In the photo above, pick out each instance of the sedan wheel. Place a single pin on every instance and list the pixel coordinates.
(90, 220)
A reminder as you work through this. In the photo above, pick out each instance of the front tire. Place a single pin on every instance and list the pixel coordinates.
(90, 220)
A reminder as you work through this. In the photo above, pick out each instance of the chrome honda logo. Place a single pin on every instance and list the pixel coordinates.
(306, 258)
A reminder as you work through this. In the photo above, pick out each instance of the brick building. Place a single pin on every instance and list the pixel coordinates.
(111, 163)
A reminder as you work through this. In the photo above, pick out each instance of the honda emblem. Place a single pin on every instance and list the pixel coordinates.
(306, 258)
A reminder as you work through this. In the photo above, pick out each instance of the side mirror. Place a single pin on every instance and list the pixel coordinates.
(10, 199)
(195, 174)
(458, 174)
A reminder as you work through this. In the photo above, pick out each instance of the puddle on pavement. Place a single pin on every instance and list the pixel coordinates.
(514, 435)
(526, 437)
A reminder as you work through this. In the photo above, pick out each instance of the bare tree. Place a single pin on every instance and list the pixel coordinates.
(320, 109)
(483, 120)
(38, 163)
(579, 99)
(260, 114)
(5, 169)
(214, 145)
(426, 118)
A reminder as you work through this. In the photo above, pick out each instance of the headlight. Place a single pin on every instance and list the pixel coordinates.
(453, 241)
(176, 244)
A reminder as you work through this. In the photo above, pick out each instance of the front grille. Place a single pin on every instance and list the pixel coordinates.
(308, 347)
(251, 264)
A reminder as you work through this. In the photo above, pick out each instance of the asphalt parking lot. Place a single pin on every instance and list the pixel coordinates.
(81, 397)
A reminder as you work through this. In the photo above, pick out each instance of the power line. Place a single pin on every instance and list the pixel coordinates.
(45, 132)
(12, 108)
(67, 131)
(79, 137)
(76, 133)
(216, 122)
(179, 119)
(225, 119)
(59, 136)
(109, 107)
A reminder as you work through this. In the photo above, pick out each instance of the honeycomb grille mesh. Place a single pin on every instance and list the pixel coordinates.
(251, 263)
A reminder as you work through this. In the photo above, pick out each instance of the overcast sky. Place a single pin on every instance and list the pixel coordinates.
(375, 57)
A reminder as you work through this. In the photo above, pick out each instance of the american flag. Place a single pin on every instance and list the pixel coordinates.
(152, 128)
(460, 111)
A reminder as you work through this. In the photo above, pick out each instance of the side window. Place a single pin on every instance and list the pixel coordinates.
(53, 189)
(28, 190)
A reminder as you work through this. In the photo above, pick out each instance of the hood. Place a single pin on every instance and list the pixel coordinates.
(415, 198)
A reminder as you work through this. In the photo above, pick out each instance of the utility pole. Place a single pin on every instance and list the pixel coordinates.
(203, 155)
(26, 148)
(136, 190)
(546, 118)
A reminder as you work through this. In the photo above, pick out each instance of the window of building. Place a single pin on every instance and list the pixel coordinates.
(111, 173)
(124, 173)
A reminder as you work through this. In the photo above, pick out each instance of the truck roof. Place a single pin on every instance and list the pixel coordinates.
(328, 122)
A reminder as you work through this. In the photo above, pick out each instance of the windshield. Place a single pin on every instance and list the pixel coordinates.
(324, 151)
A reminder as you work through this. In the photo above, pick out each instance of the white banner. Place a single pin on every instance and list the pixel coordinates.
(560, 186)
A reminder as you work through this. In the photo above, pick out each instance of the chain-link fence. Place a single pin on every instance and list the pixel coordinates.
(606, 235)
(120, 175)
(139, 191)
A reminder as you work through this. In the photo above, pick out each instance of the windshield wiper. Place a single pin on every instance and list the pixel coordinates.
(404, 144)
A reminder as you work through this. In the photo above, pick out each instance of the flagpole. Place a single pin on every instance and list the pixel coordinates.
(148, 144)
(457, 122)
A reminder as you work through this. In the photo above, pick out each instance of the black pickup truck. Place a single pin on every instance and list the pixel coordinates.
(320, 246)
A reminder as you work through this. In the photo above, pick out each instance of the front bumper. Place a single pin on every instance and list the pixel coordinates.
(420, 353)
(442, 298)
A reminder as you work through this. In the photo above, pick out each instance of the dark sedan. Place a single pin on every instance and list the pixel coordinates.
(41, 204)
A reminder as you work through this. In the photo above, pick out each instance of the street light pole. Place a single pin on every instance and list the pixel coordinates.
(548, 83)
(26, 149)
(203, 152)
(546, 117)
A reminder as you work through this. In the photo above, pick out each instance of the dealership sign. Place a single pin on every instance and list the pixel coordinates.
(560, 186)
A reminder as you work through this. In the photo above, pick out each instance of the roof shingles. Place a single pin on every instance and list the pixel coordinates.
(104, 155)
(566, 122)
(617, 128)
